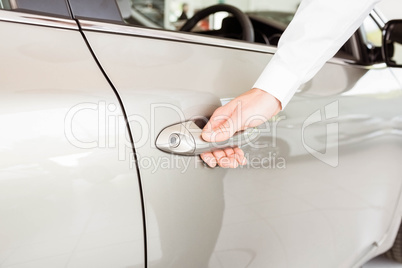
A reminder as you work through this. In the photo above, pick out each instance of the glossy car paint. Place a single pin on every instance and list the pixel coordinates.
(67, 206)
(69, 194)
(309, 214)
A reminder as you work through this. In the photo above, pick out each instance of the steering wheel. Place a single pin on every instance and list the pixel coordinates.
(245, 23)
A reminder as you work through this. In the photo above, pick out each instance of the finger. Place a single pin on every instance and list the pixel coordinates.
(228, 162)
(218, 154)
(222, 124)
(237, 154)
(224, 161)
(241, 159)
(226, 109)
(209, 159)
(223, 131)
(217, 125)
(217, 119)
(229, 152)
(232, 158)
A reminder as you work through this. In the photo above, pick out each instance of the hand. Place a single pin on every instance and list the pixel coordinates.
(250, 109)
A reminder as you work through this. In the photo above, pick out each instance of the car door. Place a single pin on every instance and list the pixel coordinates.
(67, 198)
(321, 189)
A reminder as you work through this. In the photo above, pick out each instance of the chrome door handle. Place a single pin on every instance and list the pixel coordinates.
(185, 139)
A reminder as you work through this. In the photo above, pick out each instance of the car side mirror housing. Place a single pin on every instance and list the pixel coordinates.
(392, 43)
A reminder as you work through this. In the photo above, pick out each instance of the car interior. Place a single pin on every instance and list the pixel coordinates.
(266, 27)
(262, 27)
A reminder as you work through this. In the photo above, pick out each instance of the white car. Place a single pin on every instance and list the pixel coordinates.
(86, 89)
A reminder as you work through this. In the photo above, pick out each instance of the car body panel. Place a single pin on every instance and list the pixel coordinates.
(68, 198)
(309, 213)
(322, 191)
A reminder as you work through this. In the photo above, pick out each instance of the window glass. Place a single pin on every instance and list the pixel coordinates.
(5, 4)
(372, 38)
(103, 10)
(269, 17)
(166, 13)
(52, 7)
(372, 33)
(397, 58)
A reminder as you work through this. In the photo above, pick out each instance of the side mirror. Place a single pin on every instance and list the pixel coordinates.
(392, 43)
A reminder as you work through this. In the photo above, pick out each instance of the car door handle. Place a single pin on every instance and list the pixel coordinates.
(185, 139)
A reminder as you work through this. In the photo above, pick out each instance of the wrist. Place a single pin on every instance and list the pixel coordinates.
(268, 98)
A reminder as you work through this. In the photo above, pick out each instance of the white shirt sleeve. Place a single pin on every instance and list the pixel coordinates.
(316, 33)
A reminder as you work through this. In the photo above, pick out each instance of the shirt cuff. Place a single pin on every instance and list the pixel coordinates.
(279, 81)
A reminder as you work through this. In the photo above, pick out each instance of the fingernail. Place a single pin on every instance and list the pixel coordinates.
(206, 136)
(224, 162)
(213, 163)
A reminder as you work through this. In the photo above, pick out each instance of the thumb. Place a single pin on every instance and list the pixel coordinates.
(222, 131)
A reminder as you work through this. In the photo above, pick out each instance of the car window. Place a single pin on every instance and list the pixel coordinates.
(5, 4)
(47, 7)
(372, 33)
(171, 14)
(103, 10)
(269, 18)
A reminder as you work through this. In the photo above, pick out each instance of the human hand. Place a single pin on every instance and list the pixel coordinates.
(250, 109)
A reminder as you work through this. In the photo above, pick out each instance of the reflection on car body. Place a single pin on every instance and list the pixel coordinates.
(85, 93)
